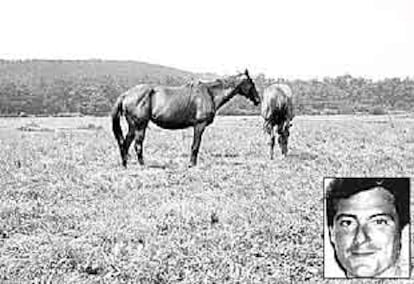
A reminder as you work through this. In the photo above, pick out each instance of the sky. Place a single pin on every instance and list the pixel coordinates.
(282, 39)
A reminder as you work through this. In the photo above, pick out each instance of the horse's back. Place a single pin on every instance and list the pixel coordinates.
(134, 92)
(277, 99)
(171, 98)
(179, 107)
(280, 92)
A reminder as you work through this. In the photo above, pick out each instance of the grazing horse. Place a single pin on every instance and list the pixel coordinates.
(277, 110)
(190, 105)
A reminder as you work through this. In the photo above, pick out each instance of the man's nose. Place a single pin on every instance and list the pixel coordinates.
(361, 235)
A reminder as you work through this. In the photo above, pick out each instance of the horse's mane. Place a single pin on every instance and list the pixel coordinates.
(224, 82)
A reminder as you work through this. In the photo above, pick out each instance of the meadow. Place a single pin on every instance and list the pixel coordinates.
(69, 213)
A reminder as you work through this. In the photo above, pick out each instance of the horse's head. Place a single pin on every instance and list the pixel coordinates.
(247, 88)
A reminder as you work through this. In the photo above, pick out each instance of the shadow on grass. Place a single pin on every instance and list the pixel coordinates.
(225, 155)
(301, 155)
(159, 166)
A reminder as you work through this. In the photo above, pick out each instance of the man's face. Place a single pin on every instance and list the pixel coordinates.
(366, 233)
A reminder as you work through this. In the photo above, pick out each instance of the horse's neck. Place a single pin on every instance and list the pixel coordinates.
(221, 96)
(223, 91)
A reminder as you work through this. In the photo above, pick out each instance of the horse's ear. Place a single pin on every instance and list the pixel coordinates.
(246, 73)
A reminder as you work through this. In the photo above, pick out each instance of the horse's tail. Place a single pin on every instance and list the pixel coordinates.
(116, 122)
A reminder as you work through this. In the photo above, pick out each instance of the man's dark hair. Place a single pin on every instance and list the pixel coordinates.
(343, 188)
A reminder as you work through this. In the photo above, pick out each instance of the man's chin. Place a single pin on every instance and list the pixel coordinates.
(363, 271)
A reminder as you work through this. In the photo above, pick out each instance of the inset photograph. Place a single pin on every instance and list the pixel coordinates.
(367, 227)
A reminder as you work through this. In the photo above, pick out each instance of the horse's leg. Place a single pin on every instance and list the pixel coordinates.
(283, 138)
(139, 139)
(285, 147)
(121, 147)
(198, 132)
(272, 143)
(280, 135)
(128, 140)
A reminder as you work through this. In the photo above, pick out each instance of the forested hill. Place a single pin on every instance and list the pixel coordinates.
(50, 87)
(85, 86)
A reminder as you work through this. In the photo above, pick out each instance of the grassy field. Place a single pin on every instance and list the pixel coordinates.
(70, 213)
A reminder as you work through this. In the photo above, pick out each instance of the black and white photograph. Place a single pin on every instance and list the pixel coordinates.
(196, 141)
(368, 226)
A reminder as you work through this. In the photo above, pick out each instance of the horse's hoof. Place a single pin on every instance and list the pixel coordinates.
(191, 166)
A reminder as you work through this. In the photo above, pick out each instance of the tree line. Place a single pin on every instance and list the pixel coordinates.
(90, 87)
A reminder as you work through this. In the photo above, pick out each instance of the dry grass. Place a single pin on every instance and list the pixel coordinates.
(69, 212)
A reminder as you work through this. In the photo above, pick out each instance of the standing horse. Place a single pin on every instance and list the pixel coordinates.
(277, 110)
(191, 105)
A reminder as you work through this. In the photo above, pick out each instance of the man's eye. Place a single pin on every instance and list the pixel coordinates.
(345, 223)
(381, 222)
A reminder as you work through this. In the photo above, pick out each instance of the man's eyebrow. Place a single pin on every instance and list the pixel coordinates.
(382, 215)
(345, 215)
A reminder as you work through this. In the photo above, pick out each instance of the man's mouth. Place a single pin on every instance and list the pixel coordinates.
(362, 253)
